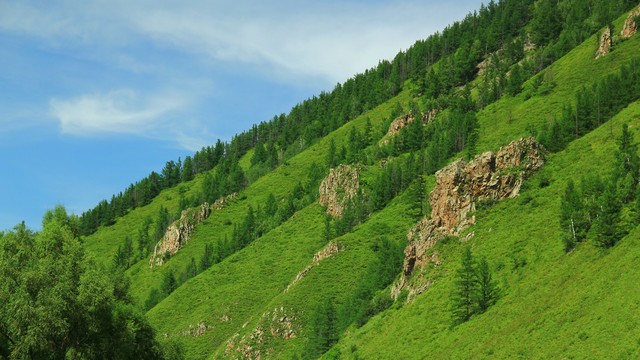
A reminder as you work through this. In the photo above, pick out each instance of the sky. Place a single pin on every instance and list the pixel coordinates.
(94, 95)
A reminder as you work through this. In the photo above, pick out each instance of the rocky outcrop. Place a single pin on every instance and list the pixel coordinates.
(459, 186)
(220, 203)
(281, 323)
(179, 233)
(630, 26)
(605, 44)
(331, 249)
(338, 187)
(404, 120)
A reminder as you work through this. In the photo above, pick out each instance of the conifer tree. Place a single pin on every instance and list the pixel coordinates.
(464, 296)
(573, 219)
(487, 293)
(607, 231)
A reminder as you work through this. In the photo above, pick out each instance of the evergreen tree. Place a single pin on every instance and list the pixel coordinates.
(169, 283)
(514, 86)
(205, 261)
(573, 218)
(259, 155)
(606, 227)
(487, 293)
(627, 160)
(187, 169)
(323, 332)
(331, 154)
(464, 295)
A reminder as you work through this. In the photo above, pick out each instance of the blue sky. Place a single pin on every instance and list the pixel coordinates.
(96, 95)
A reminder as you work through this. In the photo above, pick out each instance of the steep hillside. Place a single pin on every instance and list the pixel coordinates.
(554, 305)
(301, 282)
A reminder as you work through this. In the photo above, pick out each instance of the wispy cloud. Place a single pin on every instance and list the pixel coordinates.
(294, 39)
(120, 111)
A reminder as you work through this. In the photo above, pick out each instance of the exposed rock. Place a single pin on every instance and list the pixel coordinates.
(197, 330)
(280, 323)
(488, 177)
(630, 27)
(338, 187)
(331, 249)
(220, 203)
(404, 120)
(179, 233)
(605, 44)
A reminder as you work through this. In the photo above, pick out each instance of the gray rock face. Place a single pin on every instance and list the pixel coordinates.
(459, 186)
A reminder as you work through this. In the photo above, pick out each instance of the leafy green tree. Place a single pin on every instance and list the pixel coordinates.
(56, 304)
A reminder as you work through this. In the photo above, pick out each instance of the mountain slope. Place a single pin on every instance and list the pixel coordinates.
(239, 307)
(556, 305)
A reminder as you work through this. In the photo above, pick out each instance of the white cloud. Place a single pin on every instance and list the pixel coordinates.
(120, 111)
(289, 40)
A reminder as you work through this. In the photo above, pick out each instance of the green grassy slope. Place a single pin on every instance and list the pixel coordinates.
(509, 117)
(578, 305)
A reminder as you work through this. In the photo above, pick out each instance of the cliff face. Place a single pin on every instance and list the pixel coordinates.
(338, 187)
(459, 186)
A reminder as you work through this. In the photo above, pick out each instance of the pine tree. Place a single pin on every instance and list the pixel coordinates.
(573, 218)
(331, 154)
(463, 297)
(187, 169)
(607, 231)
(205, 261)
(487, 293)
(514, 86)
(259, 155)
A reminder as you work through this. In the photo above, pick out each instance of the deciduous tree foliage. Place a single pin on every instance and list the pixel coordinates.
(57, 304)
